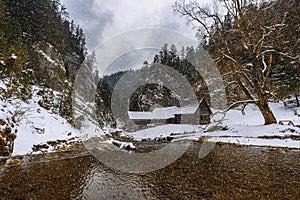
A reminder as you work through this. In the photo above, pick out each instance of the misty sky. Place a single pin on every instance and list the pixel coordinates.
(102, 19)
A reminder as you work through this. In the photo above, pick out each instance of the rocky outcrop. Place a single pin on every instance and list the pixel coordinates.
(51, 67)
(7, 136)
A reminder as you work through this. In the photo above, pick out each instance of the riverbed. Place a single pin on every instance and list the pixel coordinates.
(227, 172)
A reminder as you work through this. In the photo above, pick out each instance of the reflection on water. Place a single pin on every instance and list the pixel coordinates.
(107, 184)
(228, 172)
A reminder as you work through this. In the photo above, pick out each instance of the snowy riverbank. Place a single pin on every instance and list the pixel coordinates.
(37, 126)
(243, 129)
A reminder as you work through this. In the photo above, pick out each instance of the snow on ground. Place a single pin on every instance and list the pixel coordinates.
(122, 145)
(289, 143)
(40, 126)
(253, 116)
(35, 124)
(247, 129)
(162, 131)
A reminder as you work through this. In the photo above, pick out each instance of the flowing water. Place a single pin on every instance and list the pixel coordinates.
(228, 172)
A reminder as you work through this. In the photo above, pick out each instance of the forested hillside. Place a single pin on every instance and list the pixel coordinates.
(169, 99)
(255, 45)
(148, 96)
(41, 50)
(39, 45)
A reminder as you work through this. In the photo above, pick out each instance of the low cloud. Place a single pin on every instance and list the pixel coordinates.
(92, 17)
(133, 14)
(103, 19)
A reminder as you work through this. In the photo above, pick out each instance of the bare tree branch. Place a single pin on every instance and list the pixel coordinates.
(236, 104)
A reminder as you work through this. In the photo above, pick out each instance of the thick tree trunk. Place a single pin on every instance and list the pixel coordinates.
(265, 110)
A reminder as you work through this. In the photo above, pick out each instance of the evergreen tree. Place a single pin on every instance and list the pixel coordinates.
(47, 21)
(286, 73)
(13, 57)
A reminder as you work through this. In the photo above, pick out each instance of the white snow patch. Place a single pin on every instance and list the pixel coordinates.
(244, 129)
(48, 58)
(35, 124)
(259, 142)
(13, 56)
(162, 131)
(122, 145)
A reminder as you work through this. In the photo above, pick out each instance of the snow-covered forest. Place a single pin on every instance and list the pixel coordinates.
(59, 111)
(41, 51)
(254, 43)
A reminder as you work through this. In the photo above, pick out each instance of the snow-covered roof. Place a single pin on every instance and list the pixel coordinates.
(187, 110)
(163, 113)
(139, 115)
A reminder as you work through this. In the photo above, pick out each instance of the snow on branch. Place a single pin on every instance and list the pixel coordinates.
(228, 57)
(237, 103)
(289, 56)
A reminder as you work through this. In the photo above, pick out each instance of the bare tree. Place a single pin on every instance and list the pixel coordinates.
(242, 39)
